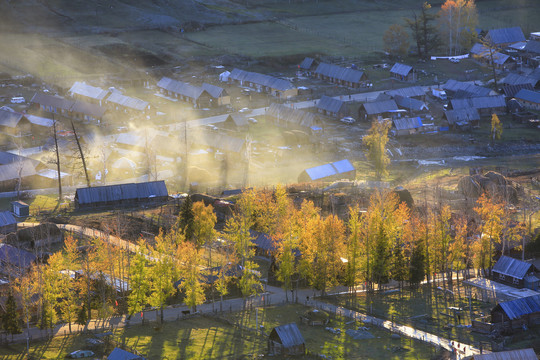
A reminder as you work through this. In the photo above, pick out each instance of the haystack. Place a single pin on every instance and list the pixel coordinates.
(469, 187)
(496, 178)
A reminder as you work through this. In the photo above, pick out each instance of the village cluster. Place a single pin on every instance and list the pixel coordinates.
(146, 147)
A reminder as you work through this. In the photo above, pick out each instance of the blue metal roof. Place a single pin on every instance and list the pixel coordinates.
(343, 166)
(528, 95)
(321, 171)
(13, 256)
(506, 35)
(120, 192)
(7, 218)
(289, 334)
(119, 354)
(515, 309)
(512, 267)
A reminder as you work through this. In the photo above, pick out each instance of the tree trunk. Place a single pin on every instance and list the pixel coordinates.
(81, 153)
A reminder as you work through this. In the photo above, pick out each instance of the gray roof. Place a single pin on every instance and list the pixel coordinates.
(516, 79)
(307, 63)
(528, 95)
(127, 101)
(516, 308)
(462, 115)
(482, 51)
(93, 110)
(408, 123)
(119, 354)
(239, 119)
(12, 256)
(520, 354)
(40, 121)
(410, 103)
(289, 334)
(214, 91)
(411, 91)
(512, 267)
(180, 87)
(50, 100)
(121, 192)
(341, 73)
(330, 104)
(7, 218)
(511, 90)
(506, 35)
(481, 102)
(326, 170)
(473, 90)
(535, 74)
(532, 46)
(290, 115)
(14, 170)
(380, 107)
(9, 158)
(84, 89)
(401, 69)
(10, 118)
(261, 79)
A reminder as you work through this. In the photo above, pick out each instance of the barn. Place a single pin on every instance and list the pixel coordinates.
(376, 108)
(514, 314)
(462, 119)
(512, 272)
(402, 72)
(332, 107)
(286, 340)
(8, 224)
(463, 89)
(340, 75)
(486, 105)
(219, 95)
(121, 195)
(274, 86)
(505, 36)
(14, 123)
(88, 93)
(195, 95)
(127, 104)
(285, 116)
(342, 169)
(528, 99)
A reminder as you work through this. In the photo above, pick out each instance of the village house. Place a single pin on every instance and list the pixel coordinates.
(8, 223)
(78, 109)
(407, 126)
(514, 272)
(462, 119)
(383, 108)
(332, 107)
(531, 53)
(132, 194)
(511, 90)
(17, 171)
(14, 124)
(486, 105)
(338, 170)
(519, 354)
(482, 54)
(194, 95)
(286, 340)
(51, 104)
(516, 79)
(277, 87)
(87, 112)
(505, 36)
(460, 89)
(528, 99)
(411, 104)
(307, 65)
(219, 95)
(341, 76)
(285, 116)
(126, 104)
(403, 72)
(88, 93)
(514, 314)
(235, 122)
(414, 92)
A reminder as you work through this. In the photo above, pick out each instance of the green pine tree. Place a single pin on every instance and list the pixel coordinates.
(10, 318)
(186, 218)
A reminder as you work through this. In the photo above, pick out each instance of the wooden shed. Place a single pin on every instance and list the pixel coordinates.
(514, 314)
(402, 72)
(286, 340)
(512, 271)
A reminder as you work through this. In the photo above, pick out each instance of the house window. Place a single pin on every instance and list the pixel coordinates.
(516, 281)
(501, 276)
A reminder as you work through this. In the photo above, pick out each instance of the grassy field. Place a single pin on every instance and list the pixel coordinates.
(212, 338)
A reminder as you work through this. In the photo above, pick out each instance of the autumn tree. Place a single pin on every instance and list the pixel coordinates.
(489, 53)
(496, 128)
(354, 249)
(417, 262)
(51, 278)
(491, 213)
(439, 224)
(139, 281)
(191, 274)
(396, 40)
(204, 221)
(458, 20)
(162, 274)
(376, 141)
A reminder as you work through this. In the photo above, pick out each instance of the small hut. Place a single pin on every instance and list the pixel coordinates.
(286, 340)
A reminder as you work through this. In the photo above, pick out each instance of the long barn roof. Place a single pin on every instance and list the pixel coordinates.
(322, 171)
(290, 115)
(516, 308)
(84, 89)
(482, 102)
(121, 192)
(506, 35)
(379, 107)
(261, 79)
(127, 101)
(341, 73)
